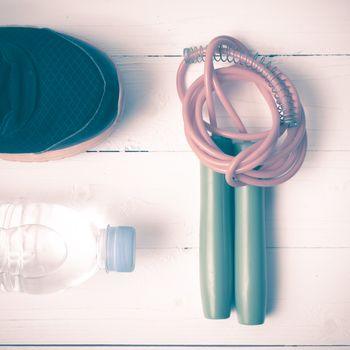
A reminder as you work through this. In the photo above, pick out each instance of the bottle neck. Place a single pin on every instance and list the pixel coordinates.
(102, 249)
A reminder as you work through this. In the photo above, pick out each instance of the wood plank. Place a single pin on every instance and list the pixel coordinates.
(130, 28)
(158, 192)
(153, 119)
(159, 303)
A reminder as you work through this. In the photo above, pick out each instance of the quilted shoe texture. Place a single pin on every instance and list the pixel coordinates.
(56, 93)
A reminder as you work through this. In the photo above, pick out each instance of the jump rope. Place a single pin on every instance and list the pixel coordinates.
(236, 166)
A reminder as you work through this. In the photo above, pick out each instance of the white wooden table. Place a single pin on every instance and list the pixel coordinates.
(146, 175)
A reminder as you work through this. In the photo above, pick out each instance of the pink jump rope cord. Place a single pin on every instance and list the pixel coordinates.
(275, 155)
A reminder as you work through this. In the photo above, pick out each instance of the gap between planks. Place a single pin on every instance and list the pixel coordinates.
(219, 346)
(270, 55)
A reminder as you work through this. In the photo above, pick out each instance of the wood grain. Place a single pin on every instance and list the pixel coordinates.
(159, 304)
(158, 192)
(160, 28)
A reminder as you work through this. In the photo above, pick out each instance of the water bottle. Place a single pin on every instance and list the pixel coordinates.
(47, 247)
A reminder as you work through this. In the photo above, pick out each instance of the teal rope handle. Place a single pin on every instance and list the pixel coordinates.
(216, 240)
(250, 252)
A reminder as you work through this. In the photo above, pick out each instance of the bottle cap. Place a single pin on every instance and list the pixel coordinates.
(120, 248)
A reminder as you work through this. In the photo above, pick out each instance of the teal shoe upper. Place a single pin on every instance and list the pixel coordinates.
(55, 91)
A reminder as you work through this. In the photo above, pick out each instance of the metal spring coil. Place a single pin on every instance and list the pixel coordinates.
(275, 78)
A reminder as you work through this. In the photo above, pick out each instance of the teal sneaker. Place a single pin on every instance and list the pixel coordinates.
(58, 95)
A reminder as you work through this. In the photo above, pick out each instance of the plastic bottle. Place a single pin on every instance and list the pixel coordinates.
(47, 247)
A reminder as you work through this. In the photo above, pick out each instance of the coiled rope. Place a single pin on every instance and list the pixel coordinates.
(273, 156)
